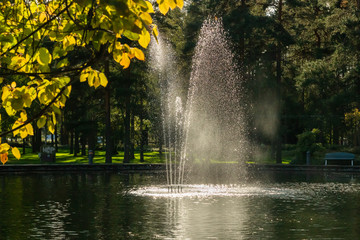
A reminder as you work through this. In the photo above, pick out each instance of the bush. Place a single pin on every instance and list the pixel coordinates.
(307, 141)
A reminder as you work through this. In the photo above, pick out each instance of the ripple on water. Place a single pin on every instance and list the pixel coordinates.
(303, 191)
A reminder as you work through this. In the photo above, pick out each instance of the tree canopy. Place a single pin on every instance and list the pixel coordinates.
(38, 42)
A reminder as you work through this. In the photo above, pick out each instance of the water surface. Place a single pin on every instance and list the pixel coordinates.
(135, 206)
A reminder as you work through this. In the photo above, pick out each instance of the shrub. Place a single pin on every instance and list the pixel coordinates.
(307, 141)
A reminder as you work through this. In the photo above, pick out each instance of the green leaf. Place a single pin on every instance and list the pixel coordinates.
(41, 122)
(44, 57)
(62, 63)
(131, 35)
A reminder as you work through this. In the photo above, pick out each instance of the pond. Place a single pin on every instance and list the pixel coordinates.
(107, 205)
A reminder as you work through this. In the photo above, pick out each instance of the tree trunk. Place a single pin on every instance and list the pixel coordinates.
(108, 137)
(72, 142)
(142, 134)
(278, 156)
(24, 146)
(92, 138)
(132, 136)
(76, 147)
(127, 130)
(56, 139)
(36, 139)
(83, 144)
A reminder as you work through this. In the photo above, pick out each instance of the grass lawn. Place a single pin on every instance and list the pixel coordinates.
(63, 156)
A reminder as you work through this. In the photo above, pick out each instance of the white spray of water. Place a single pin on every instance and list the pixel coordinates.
(211, 126)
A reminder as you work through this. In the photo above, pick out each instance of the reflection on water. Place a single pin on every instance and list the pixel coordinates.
(114, 206)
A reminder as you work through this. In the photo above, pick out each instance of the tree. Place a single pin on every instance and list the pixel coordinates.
(37, 37)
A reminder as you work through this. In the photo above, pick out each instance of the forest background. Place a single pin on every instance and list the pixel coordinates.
(299, 61)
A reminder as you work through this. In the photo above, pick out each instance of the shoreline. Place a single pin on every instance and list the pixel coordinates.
(134, 167)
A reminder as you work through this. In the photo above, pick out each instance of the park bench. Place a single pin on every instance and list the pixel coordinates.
(340, 156)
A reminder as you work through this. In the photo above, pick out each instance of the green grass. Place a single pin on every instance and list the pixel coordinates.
(63, 156)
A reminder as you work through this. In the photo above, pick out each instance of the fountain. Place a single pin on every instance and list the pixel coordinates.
(211, 127)
(162, 63)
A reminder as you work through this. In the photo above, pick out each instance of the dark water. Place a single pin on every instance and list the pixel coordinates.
(121, 206)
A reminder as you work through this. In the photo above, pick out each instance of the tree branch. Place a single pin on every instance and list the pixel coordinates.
(41, 112)
(36, 30)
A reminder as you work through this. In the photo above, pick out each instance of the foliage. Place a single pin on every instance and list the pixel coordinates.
(36, 41)
(352, 121)
(307, 141)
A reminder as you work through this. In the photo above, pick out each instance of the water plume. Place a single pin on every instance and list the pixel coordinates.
(214, 125)
(210, 128)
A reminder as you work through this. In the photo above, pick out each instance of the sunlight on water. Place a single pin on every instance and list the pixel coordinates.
(281, 191)
(140, 206)
(204, 191)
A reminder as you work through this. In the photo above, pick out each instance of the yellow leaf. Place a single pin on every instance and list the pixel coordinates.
(15, 151)
(83, 77)
(68, 41)
(180, 3)
(91, 79)
(103, 80)
(13, 85)
(4, 157)
(117, 56)
(23, 117)
(68, 91)
(16, 124)
(155, 33)
(125, 60)
(172, 4)
(23, 133)
(163, 6)
(29, 129)
(150, 7)
(5, 93)
(9, 109)
(54, 117)
(96, 80)
(51, 127)
(144, 39)
(5, 147)
(139, 54)
(146, 18)
(42, 17)
(155, 30)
